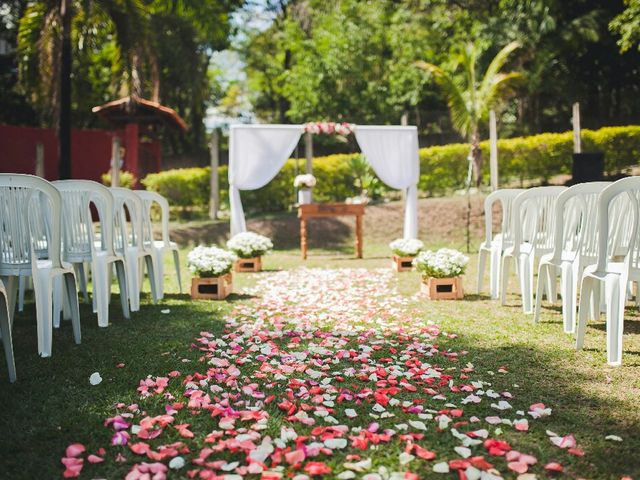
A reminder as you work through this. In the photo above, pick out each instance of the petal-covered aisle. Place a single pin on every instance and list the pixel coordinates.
(325, 373)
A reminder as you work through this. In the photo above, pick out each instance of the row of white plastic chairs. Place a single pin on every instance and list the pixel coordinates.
(47, 234)
(586, 234)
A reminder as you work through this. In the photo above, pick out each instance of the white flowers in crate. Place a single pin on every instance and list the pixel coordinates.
(445, 263)
(249, 245)
(210, 261)
(304, 181)
(406, 247)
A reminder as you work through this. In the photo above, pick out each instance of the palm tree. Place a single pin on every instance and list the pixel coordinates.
(470, 100)
(45, 41)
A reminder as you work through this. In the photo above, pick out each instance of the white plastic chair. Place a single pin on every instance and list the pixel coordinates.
(158, 247)
(618, 208)
(575, 247)
(129, 243)
(533, 213)
(494, 245)
(26, 203)
(80, 245)
(5, 330)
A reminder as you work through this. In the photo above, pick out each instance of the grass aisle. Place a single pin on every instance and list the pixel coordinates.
(340, 373)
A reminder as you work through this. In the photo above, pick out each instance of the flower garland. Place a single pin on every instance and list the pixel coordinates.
(329, 128)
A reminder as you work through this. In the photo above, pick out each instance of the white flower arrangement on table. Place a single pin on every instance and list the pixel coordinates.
(445, 263)
(304, 181)
(207, 262)
(406, 247)
(249, 245)
(329, 128)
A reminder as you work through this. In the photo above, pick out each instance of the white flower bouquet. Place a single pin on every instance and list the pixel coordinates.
(304, 181)
(445, 263)
(249, 245)
(406, 247)
(207, 262)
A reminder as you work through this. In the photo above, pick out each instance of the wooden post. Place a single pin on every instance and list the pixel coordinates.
(115, 162)
(214, 199)
(404, 119)
(577, 145)
(131, 142)
(40, 159)
(493, 150)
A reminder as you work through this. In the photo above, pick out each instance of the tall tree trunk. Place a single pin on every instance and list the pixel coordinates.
(64, 120)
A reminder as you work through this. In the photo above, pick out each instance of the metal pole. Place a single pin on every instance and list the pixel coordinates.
(214, 200)
(493, 150)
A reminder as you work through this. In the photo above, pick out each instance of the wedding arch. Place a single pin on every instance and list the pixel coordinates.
(258, 152)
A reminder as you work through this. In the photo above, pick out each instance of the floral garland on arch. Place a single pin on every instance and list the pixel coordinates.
(329, 128)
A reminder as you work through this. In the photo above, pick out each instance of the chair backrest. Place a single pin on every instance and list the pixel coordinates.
(29, 208)
(505, 197)
(148, 199)
(533, 214)
(576, 220)
(626, 194)
(127, 202)
(78, 229)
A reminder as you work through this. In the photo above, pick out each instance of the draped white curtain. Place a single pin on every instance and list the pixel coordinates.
(256, 155)
(392, 152)
(258, 152)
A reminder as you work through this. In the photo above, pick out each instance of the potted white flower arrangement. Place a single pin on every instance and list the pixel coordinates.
(211, 267)
(304, 184)
(249, 247)
(404, 251)
(442, 273)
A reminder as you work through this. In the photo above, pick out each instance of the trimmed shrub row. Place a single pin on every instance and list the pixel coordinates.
(443, 168)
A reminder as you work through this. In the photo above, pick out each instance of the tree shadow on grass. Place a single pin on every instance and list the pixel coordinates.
(548, 374)
(53, 404)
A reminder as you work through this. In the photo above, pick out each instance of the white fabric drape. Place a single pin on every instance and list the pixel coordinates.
(392, 152)
(256, 155)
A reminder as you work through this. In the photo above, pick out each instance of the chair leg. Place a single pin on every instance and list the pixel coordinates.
(11, 286)
(82, 278)
(159, 270)
(482, 260)
(21, 289)
(540, 287)
(494, 273)
(526, 282)
(124, 290)
(133, 283)
(43, 290)
(5, 328)
(616, 294)
(586, 291)
(101, 287)
(151, 271)
(74, 308)
(552, 289)
(504, 279)
(176, 262)
(568, 292)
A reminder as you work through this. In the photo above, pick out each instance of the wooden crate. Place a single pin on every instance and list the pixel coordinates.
(402, 264)
(249, 264)
(443, 288)
(215, 288)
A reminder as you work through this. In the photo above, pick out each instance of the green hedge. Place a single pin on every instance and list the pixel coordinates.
(443, 168)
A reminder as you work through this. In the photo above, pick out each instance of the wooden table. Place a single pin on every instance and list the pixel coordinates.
(316, 210)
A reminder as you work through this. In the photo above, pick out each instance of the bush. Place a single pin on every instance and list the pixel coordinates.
(443, 168)
(127, 179)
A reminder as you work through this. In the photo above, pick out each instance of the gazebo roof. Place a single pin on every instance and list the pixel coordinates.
(133, 109)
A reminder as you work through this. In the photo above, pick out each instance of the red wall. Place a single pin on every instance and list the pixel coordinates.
(90, 151)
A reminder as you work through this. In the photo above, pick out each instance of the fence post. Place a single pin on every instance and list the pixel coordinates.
(493, 150)
(115, 162)
(40, 159)
(214, 199)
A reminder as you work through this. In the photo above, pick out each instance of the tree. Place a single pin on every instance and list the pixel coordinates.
(45, 38)
(469, 98)
(627, 25)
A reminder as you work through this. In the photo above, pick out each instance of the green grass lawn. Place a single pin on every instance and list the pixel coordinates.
(52, 404)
